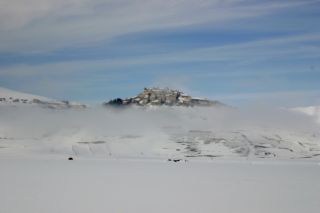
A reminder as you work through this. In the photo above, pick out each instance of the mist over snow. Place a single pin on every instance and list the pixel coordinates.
(143, 120)
(159, 132)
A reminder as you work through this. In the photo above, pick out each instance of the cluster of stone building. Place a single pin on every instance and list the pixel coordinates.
(163, 96)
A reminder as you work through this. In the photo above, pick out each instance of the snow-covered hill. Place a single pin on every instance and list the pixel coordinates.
(11, 97)
(164, 133)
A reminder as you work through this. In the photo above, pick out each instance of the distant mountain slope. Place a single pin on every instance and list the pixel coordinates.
(11, 97)
(11, 94)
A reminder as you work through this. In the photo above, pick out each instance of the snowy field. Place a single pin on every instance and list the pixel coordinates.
(83, 186)
(165, 159)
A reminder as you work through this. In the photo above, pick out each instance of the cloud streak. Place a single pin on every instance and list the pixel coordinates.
(46, 25)
(289, 47)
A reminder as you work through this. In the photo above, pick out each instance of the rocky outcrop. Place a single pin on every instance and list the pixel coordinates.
(160, 96)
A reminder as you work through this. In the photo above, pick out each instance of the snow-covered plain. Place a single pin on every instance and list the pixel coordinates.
(82, 186)
(158, 159)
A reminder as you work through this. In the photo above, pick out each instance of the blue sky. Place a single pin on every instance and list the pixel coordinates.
(239, 52)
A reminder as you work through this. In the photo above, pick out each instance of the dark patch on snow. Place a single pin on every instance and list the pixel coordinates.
(208, 156)
(91, 142)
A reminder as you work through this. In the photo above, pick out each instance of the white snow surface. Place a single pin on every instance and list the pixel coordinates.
(82, 186)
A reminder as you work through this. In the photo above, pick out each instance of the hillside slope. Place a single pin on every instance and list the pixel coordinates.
(11, 97)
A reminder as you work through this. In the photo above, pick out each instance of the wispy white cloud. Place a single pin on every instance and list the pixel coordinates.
(44, 25)
(282, 48)
(275, 98)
